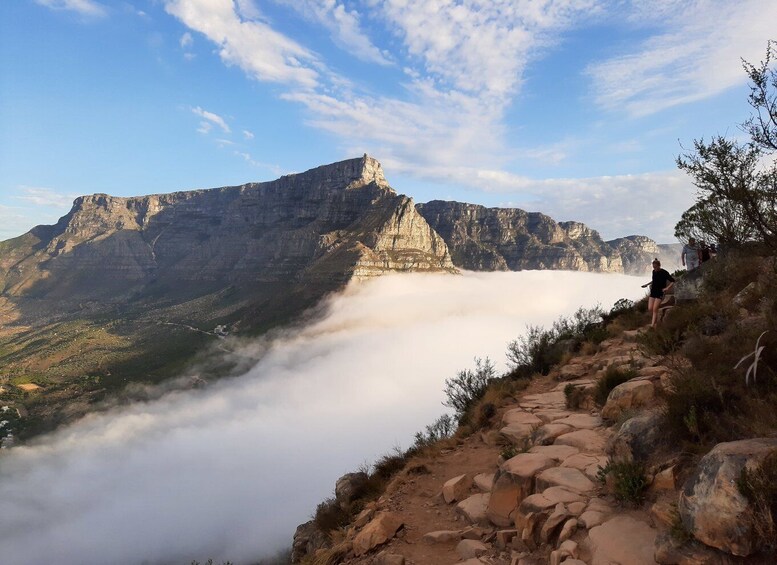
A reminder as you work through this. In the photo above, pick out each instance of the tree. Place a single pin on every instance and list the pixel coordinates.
(737, 182)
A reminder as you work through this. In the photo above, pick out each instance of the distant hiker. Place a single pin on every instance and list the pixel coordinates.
(690, 255)
(658, 286)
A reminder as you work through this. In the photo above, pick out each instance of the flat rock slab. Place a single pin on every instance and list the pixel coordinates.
(567, 477)
(591, 518)
(555, 399)
(587, 463)
(557, 452)
(582, 421)
(469, 548)
(545, 435)
(520, 416)
(587, 441)
(442, 536)
(551, 414)
(562, 494)
(526, 465)
(624, 540)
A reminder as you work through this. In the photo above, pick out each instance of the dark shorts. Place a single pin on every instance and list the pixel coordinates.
(658, 294)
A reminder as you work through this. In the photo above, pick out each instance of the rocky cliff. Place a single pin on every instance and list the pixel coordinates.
(488, 239)
(332, 222)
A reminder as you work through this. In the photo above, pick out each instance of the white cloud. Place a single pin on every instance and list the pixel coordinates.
(82, 7)
(211, 119)
(247, 134)
(229, 471)
(254, 46)
(41, 196)
(696, 55)
(344, 25)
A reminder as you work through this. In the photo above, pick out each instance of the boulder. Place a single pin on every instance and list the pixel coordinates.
(307, 540)
(568, 530)
(513, 483)
(474, 508)
(637, 438)
(380, 530)
(572, 372)
(623, 540)
(469, 548)
(631, 394)
(669, 551)
(349, 487)
(484, 481)
(711, 507)
(456, 488)
(591, 518)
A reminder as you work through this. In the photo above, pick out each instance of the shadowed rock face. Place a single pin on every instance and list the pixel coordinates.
(488, 239)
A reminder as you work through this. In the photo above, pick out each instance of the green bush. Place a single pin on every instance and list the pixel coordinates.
(330, 516)
(612, 377)
(538, 350)
(574, 396)
(442, 428)
(466, 388)
(628, 480)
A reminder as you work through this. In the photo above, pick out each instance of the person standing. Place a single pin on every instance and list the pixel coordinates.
(662, 281)
(690, 255)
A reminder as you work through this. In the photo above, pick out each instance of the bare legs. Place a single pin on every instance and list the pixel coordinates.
(653, 305)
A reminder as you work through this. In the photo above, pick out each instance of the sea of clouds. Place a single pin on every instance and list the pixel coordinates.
(228, 471)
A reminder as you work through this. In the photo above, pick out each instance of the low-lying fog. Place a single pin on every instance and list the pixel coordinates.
(228, 472)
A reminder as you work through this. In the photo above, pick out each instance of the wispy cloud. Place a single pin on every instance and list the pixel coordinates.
(247, 134)
(41, 196)
(695, 55)
(186, 40)
(344, 26)
(87, 8)
(211, 118)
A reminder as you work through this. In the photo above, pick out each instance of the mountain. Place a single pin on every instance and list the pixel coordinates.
(502, 239)
(128, 290)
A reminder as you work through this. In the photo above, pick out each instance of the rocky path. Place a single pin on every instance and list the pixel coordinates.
(546, 503)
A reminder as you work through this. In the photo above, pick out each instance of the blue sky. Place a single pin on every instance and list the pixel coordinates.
(575, 108)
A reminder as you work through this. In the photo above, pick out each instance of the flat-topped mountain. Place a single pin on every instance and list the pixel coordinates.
(127, 289)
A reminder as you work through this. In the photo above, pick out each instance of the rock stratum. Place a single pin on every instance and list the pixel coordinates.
(122, 290)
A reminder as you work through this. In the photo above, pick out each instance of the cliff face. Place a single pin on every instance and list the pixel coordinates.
(481, 238)
(330, 222)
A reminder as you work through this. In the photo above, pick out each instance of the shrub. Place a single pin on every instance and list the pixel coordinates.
(575, 396)
(539, 349)
(628, 480)
(468, 387)
(330, 516)
(442, 428)
(612, 377)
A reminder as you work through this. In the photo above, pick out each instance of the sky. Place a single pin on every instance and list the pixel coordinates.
(574, 108)
(228, 472)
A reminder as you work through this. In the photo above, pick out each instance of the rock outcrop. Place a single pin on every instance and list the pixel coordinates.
(500, 239)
